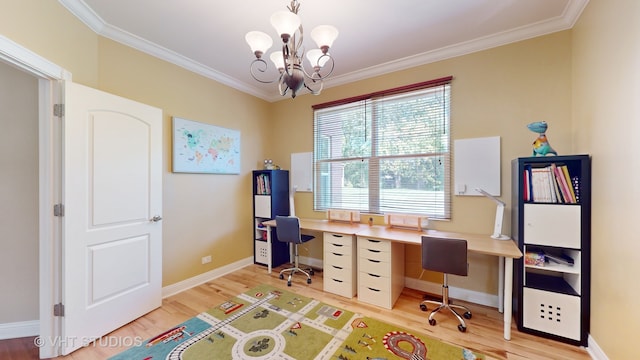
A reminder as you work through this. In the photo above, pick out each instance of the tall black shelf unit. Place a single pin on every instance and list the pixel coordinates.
(270, 198)
(553, 298)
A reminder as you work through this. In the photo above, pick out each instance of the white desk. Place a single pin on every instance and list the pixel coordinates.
(506, 250)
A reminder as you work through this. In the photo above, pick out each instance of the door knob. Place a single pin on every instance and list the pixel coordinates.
(156, 218)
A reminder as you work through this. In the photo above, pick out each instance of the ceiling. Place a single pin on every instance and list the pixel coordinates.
(376, 36)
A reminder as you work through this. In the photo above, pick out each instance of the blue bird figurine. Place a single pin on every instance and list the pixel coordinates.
(541, 145)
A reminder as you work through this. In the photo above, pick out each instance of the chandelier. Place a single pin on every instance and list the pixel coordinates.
(292, 74)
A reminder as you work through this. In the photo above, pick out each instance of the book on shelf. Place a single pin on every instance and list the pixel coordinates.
(559, 196)
(541, 185)
(550, 184)
(567, 177)
(562, 185)
(527, 183)
(576, 187)
(263, 186)
(562, 259)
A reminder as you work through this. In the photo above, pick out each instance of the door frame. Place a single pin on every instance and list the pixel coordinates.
(50, 131)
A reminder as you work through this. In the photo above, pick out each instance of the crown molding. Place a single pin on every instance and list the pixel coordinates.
(566, 21)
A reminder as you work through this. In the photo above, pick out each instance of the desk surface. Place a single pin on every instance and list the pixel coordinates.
(506, 250)
(482, 244)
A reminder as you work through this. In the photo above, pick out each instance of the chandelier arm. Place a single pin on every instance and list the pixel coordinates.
(261, 66)
(318, 90)
(299, 42)
(316, 73)
(286, 56)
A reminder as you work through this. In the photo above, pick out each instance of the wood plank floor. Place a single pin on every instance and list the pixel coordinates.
(484, 330)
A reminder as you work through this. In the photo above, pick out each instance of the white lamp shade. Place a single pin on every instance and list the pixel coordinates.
(314, 55)
(277, 59)
(258, 41)
(285, 22)
(324, 35)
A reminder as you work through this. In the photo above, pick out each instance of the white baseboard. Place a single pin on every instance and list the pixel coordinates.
(312, 262)
(475, 297)
(203, 278)
(594, 350)
(19, 329)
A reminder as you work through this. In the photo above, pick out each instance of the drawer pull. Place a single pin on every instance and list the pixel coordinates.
(374, 275)
(374, 251)
(337, 245)
(337, 267)
(373, 241)
(336, 280)
(372, 289)
(336, 254)
(374, 261)
(336, 235)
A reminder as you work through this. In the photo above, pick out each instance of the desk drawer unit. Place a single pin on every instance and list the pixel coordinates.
(380, 271)
(339, 264)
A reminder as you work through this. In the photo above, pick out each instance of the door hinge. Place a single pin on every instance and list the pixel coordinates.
(58, 309)
(58, 210)
(58, 110)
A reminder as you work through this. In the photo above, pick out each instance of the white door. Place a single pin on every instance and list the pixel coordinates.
(112, 233)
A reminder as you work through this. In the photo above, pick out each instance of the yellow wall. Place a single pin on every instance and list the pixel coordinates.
(48, 29)
(493, 93)
(203, 214)
(606, 123)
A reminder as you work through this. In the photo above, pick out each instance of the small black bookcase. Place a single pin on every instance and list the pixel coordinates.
(551, 223)
(270, 198)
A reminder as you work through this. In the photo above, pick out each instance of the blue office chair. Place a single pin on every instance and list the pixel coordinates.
(448, 256)
(288, 230)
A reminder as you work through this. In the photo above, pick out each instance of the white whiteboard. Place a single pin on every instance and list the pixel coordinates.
(477, 165)
(302, 172)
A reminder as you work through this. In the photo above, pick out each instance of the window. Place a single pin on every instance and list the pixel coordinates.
(385, 152)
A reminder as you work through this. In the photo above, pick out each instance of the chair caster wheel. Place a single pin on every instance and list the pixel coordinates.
(311, 272)
(432, 322)
(467, 315)
(423, 307)
(281, 276)
(288, 283)
(308, 281)
(462, 328)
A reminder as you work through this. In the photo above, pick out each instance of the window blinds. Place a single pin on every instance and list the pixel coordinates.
(385, 152)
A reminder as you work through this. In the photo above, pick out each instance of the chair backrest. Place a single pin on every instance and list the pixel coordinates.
(288, 229)
(445, 255)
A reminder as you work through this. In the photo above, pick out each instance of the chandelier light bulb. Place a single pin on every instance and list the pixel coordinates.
(286, 23)
(316, 59)
(277, 59)
(259, 42)
(324, 36)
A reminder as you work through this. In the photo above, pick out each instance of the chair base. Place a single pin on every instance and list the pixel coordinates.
(445, 304)
(296, 269)
(296, 266)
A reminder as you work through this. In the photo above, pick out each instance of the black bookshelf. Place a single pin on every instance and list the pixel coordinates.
(553, 299)
(270, 198)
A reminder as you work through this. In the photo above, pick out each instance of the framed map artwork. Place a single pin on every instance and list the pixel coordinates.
(205, 148)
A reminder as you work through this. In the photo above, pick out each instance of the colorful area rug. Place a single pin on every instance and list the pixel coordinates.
(268, 323)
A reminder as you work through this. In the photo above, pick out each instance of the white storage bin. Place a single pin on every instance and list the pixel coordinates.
(552, 313)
